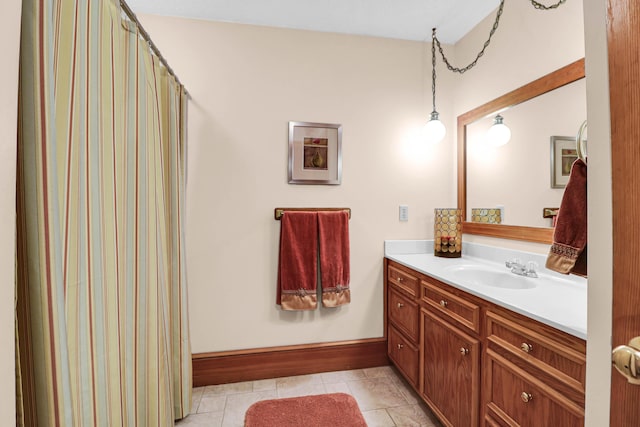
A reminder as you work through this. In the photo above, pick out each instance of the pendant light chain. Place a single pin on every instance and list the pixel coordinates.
(462, 70)
(434, 129)
(484, 47)
(540, 6)
(433, 64)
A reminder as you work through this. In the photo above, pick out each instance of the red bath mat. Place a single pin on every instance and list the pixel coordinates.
(323, 410)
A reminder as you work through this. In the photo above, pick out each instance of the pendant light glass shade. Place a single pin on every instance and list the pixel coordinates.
(434, 130)
(499, 133)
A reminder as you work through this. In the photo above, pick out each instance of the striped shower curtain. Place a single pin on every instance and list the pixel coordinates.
(102, 308)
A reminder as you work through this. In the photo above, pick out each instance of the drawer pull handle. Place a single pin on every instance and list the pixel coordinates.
(443, 303)
(526, 397)
(400, 305)
(464, 351)
(400, 346)
(399, 279)
(527, 348)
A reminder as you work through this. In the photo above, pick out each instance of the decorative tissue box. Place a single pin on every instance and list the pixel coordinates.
(486, 215)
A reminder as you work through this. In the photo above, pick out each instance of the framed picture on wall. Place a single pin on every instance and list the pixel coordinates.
(563, 154)
(315, 153)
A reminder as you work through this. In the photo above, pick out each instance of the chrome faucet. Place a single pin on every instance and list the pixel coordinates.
(517, 267)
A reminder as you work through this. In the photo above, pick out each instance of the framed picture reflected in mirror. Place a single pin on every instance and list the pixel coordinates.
(563, 154)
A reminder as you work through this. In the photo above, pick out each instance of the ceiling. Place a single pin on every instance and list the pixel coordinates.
(398, 19)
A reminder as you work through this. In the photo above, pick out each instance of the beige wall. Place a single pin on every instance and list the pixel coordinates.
(10, 36)
(220, 246)
(246, 86)
(246, 83)
(600, 217)
(527, 45)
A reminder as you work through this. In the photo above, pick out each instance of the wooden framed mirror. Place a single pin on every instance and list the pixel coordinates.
(555, 80)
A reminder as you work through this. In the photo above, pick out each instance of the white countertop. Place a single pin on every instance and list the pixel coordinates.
(554, 299)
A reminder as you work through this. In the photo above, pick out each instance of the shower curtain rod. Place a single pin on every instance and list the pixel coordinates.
(132, 16)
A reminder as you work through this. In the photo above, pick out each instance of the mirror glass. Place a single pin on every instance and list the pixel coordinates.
(506, 191)
(517, 177)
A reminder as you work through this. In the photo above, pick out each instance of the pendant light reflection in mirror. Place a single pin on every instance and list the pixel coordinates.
(499, 133)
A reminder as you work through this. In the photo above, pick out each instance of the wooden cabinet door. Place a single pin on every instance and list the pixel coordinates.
(517, 398)
(451, 371)
(404, 355)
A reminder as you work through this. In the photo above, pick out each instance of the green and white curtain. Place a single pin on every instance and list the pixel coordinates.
(102, 306)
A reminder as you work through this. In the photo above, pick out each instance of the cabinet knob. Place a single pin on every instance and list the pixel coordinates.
(400, 305)
(464, 351)
(527, 348)
(400, 346)
(399, 279)
(443, 303)
(526, 397)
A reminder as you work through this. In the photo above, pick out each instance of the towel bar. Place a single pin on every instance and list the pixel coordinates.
(279, 212)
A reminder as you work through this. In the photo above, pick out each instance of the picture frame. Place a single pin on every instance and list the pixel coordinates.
(563, 154)
(315, 153)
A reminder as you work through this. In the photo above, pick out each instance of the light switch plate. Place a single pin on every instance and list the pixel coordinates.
(404, 213)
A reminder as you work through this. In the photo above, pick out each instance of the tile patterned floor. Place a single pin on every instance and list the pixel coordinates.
(384, 398)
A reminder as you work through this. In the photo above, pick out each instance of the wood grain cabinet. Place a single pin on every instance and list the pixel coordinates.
(451, 371)
(514, 397)
(450, 353)
(534, 375)
(404, 353)
(475, 363)
(403, 321)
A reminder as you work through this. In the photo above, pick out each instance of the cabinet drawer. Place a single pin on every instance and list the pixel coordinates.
(515, 398)
(559, 359)
(403, 313)
(404, 354)
(403, 279)
(452, 306)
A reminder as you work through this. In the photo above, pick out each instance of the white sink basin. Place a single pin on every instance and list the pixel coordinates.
(486, 276)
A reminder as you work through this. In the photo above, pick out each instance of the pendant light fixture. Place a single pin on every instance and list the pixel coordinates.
(499, 133)
(434, 130)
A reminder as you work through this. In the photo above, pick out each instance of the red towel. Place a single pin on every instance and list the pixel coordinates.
(298, 266)
(334, 257)
(568, 253)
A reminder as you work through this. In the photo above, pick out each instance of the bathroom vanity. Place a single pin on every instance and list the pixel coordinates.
(482, 345)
